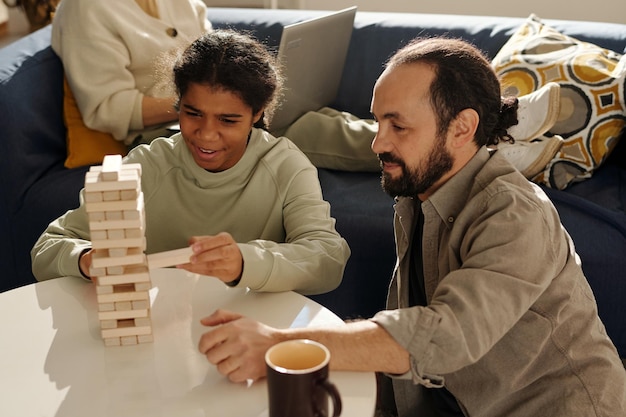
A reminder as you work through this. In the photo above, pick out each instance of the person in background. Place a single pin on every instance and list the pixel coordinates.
(109, 50)
(488, 313)
(249, 204)
(39, 13)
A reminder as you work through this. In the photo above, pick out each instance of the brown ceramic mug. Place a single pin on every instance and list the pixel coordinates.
(297, 380)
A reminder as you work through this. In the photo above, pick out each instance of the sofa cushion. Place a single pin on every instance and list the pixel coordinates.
(593, 107)
(364, 215)
(594, 214)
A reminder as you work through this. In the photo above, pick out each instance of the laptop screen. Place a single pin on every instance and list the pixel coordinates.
(312, 54)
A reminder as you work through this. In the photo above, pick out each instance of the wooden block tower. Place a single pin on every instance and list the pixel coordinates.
(115, 206)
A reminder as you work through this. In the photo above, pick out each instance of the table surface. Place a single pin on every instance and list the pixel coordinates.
(54, 362)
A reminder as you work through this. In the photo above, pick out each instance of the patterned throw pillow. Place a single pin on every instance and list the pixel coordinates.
(593, 108)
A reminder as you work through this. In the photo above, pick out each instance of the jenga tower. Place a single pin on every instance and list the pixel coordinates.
(115, 206)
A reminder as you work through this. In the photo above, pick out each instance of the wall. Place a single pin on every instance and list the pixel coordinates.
(596, 10)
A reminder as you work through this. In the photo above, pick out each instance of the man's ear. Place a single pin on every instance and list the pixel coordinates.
(463, 127)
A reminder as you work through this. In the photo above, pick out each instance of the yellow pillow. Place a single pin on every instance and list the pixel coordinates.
(593, 89)
(85, 146)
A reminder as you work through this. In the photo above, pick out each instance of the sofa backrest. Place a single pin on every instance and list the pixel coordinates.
(32, 145)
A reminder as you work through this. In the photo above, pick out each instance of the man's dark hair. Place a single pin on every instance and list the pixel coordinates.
(463, 79)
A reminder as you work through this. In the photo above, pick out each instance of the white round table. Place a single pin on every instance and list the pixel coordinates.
(54, 362)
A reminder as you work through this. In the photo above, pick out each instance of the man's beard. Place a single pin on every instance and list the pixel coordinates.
(415, 181)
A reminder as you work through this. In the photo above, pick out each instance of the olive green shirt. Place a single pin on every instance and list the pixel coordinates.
(511, 327)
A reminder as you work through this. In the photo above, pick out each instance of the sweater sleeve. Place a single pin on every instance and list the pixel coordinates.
(204, 20)
(313, 257)
(57, 251)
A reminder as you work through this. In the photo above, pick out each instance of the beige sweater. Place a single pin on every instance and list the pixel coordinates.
(109, 49)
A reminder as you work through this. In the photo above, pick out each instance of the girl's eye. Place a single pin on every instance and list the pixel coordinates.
(228, 121)
(192, 113)
(397, 128)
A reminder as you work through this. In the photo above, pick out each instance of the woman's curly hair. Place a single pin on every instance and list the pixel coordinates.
(229, 60)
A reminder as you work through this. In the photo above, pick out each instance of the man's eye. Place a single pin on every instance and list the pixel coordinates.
(192, 113)
(228, 121)
(397, 128)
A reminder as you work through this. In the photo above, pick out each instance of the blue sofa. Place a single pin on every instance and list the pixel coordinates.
(36, 188)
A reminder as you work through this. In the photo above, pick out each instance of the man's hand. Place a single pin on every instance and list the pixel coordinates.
(217, 256)
(237, 345)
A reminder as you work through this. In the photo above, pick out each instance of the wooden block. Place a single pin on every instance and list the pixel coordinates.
(143, 286)
(104, 224)
(111, 166)
(119, 243)
(133, 233)
(128, 180)
(129, 194)
(131, 214)
(116, 297)
(115, 270)
(125, 168)
(111, 206)
(126, 331)
(96, 216)
(169, 258)
(143, 322)
(145, 338)
(117, 234)
(129, 340)
(99, 235)
(124, 288)
(137, 212)
(108, 324)
(135, 256)
(130, 274)
(97, 272)
(113, 214)
(104, 289)
(118, 252)
(132, 167)
(93, 197)
(113, 195)
(140, 304)
(123, 306)
(102, 253)
(123, 315)
(112, 341)
(106, 307)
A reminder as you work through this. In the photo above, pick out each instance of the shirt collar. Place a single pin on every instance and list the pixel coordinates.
(450, 198)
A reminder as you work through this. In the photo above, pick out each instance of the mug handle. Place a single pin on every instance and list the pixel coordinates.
(333, 393)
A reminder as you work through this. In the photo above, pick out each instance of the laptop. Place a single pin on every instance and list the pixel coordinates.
(312, 53)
